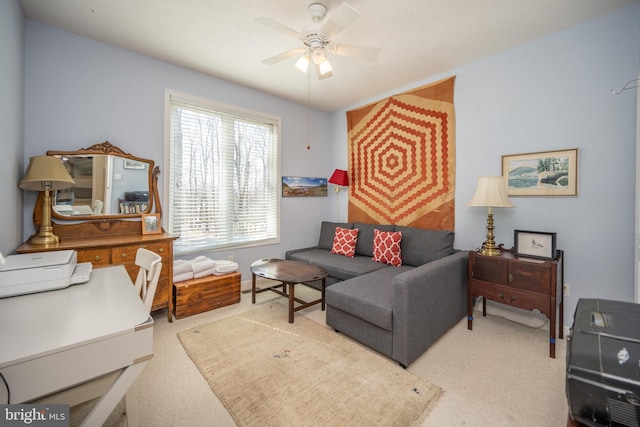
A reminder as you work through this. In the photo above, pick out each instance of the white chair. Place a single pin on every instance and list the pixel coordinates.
(150, 264)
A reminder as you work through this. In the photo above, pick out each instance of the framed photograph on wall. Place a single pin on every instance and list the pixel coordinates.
(151, 224)
(302, 186)
(548, 173)
(534, 244)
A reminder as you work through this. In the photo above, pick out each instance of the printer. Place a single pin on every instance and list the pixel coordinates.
(41, 271)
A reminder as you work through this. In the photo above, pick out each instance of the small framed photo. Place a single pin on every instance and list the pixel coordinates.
(151, 224)
(534, 244)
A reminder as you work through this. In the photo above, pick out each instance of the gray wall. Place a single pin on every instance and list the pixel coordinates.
(12, 163)
(554, 93)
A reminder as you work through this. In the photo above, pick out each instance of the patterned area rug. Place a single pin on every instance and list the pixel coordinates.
(402, 159)
(268, 372)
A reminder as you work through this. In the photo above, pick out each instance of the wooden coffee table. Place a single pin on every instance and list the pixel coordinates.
(288, 273)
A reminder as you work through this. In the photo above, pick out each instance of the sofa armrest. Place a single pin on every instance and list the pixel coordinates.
(427, 301)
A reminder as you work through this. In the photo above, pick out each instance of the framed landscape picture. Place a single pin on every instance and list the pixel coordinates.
(548, 173)
(300, 186)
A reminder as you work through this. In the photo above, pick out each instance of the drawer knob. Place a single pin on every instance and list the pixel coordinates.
(501, 296)
(161, 250)
(97, 258)
(510, 277)
(514, 298)
(123, 254)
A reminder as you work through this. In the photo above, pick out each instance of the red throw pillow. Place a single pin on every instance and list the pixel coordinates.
(386, 247)
(344, 241)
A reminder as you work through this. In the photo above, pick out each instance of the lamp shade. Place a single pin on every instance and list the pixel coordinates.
(46, 173)
(491, 192)
(339, 177)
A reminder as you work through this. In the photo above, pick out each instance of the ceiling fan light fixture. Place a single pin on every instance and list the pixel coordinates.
(325, 68)
(318, 56)
(303, 63)
(317, 38)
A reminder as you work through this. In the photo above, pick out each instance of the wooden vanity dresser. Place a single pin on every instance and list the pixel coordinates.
(111, 237)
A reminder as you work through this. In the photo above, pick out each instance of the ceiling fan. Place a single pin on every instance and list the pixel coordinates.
(318, 39)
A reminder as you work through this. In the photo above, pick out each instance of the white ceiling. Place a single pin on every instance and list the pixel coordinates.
(417, 38)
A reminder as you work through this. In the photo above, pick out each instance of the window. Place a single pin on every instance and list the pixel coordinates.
(223, 175)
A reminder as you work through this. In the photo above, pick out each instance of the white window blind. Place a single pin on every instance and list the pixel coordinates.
(223, 176)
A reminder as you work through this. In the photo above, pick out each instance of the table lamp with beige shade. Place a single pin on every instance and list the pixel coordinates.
(492, 193)
(46, 173)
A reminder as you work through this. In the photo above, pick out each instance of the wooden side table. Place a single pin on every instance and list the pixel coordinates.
(519, 282)
(288, 273)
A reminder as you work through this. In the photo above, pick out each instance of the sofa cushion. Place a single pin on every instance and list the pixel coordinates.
(344, 242)
(421, 246)
(327, 231)
(386, 247)
(337, 266)
(368, 297)
(364, 246)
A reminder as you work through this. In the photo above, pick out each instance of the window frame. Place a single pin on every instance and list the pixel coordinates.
(205, 103)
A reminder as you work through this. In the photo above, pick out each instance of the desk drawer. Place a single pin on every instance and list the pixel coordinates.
(97, 257)
(513, 297)
(33, 378)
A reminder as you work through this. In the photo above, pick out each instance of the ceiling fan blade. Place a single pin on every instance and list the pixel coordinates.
(272, 23)
(353, 51)
(284, 55)
(340, 19)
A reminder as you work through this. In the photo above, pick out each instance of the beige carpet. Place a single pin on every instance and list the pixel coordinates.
(268, 372)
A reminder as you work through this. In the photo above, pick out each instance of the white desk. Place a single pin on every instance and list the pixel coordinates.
(52, 341)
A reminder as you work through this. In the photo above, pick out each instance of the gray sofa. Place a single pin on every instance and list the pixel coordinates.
(398, 311)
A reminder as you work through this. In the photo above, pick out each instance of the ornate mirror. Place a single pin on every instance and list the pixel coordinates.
(112, 189)
(109, 184)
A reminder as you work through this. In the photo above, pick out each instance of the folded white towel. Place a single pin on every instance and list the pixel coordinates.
(204, 273)
(202, 265)
(224, 266)
(182, 277)
(182, 267)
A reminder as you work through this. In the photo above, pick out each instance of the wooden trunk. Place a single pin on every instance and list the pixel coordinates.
(195, 296)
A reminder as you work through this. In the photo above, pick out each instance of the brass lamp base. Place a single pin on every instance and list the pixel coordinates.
(490, 251)
(45, 234)
(489, 247)
(44, 237)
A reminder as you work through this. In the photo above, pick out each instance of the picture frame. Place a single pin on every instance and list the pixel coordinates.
(302, 186)
(151, 224)
(534, 244)
(546, 173)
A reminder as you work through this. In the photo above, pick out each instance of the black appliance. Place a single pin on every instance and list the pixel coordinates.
(136, 196)
(603, 363)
